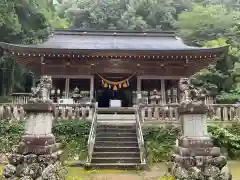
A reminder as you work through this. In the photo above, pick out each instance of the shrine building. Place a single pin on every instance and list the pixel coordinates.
(106, 65)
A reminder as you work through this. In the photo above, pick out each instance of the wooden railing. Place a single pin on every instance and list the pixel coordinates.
(140, 136)
(169, 112)
(92, 135)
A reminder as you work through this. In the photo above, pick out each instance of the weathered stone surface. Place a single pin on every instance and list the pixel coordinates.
(192, 107)
(38, 150)
(48, 172)
(40, 139)
(26, 178)
(20, 170)
(195, 173)
(47, 159)
(37, 156)
(203, 141)
(226, 173)
(11, 178)
(3, 158)
(15, 159)
(39, 107)
(9, 170)
(195, 157)
(40, 178)
(215, 152)
(180, 173)
(37, 167)
(30, 158)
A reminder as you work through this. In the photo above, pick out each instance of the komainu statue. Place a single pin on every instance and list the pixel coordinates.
(42, 92)
(189, 92)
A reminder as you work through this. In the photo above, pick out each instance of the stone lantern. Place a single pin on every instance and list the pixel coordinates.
(38, 155)
(76, 95)
(195, 156)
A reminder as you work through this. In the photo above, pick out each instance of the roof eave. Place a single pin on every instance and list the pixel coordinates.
(34, 49)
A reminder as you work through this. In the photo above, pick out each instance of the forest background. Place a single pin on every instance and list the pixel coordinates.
(207, 23)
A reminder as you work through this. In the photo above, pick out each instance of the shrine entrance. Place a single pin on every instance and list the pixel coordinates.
(107, 91)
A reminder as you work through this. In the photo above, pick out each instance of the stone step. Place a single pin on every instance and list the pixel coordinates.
(120, 166)
(116, 160)
(116, 154)
(116, 116)
(115, 134)
(117, 122)
(115, 139)
(119, 110)
(118, 126)
(117, 129)
(116, 149)
(116, 143)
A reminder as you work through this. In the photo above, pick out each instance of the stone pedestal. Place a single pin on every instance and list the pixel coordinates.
(38, 155)
(195, 157)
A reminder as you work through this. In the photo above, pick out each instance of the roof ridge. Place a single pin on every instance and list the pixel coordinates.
(92, 32)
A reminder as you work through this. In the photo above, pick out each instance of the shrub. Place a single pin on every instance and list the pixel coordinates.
(228, 139)
(159, 142)
(72, 134)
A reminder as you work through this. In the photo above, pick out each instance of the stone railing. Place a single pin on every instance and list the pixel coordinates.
(20, 98)
(153, 113)
(15, 112)
(169, 112)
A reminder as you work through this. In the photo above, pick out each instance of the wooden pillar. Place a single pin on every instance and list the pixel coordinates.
(67, 82)
(139, 84)
(91, 88)
(163, 91)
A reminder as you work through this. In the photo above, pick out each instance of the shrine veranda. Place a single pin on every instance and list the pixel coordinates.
(104, 65)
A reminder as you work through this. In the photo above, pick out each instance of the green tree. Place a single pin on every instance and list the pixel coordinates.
(23, 22)
(120, 14)
(211, 26)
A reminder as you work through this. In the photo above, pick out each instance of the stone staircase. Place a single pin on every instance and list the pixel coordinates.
(116, 144)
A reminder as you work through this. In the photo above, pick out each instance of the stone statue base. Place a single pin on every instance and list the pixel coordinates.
(196, 158)
(35, 158)
(38, 156)
(42, 144)
(32, 166)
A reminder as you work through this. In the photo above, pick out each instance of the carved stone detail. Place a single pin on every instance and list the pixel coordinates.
(37, 156)
(195, 157)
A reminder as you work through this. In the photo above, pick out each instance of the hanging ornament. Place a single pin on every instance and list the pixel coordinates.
(115, 88)
(127, 82)
(124, 84)
(116, 85)
(105, 85)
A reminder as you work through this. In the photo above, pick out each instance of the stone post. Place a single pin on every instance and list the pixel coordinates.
(155, 97)
(195, 156)
(38, 155)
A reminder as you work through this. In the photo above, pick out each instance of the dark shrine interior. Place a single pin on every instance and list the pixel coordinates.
(103, 95)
